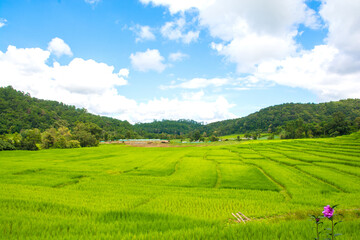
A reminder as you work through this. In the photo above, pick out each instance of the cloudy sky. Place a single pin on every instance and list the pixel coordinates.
(206, 60)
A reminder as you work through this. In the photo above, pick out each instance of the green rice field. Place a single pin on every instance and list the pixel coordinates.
(124, 192)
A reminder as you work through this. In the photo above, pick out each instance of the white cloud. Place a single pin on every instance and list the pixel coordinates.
(197, 83)
(81, 82)
(164, 108)
(86, 76)
(92, 2)
(343, 23)
(179, 5)
(3, 22)
(93, 85)
(253, 49)
(177, 31)
(58, 47)
(331, 70)
(148, 60)
(258, 36)
(251, 31)
(193, 95)
(124, 72)
(143, 33)
(177, 56)
(312, 70)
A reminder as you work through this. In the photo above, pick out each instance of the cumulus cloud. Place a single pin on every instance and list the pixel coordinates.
(253, 49)
(250, 31)
(58, 47)
(177, 31)
(331, 70)
(312, 70)
(343, 21)
(197, 83)
(148, 60)
(81, 82)
(179, 5)
(143, 33)
(259, 37)
(165, 108)
(3, 22)
(177, 56)
(124, 72)
(94, 86)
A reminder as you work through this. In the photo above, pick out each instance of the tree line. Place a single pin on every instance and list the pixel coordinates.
(24, 118)
(321, 119)
(82, 135)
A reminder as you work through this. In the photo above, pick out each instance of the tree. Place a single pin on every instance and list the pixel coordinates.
(338, 125)
(88, 134)
(5, 144)
(357, 123)
(48, 138)
(213, 138)
(29, 139)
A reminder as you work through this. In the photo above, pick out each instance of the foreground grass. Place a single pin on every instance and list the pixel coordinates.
(121, 192)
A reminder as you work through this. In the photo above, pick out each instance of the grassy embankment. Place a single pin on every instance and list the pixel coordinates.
(122, 192)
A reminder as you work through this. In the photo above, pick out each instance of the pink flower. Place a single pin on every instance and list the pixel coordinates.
(328, 211)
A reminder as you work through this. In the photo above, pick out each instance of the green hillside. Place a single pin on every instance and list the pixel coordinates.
(179, 127)
(18, 111)
(270, 118)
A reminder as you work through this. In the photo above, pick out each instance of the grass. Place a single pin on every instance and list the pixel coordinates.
(122, 192)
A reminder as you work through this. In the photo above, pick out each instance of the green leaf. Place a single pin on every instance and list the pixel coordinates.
(337, 223)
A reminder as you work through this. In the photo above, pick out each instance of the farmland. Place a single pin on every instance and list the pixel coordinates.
(123, 192)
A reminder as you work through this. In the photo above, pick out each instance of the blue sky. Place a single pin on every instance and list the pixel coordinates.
(140, 60)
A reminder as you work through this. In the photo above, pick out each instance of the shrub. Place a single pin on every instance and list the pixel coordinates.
(5, 145)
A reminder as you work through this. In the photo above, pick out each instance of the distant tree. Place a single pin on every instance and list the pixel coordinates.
(357, 123)
(338, 125)
(213, 138)
(271, 136)
(5, 144)
(73, 144)
(29, 139)
(247, 135)
(197, 135)
(48, 138)
(88, 134)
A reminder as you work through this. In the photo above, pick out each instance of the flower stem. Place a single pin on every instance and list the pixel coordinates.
(332, 229)
(317, 231)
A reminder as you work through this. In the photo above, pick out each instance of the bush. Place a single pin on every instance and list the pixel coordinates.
(73, 144)
(5, 145)
(213, 139)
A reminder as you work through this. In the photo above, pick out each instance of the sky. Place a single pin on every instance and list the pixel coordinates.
(205, 60)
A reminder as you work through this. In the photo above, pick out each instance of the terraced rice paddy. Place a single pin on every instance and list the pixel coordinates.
(122, 192)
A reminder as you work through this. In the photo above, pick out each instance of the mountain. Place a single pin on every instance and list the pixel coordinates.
(18, 110)
(273, 117)
(179, 127)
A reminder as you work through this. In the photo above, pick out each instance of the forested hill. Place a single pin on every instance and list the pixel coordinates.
(18, 111)
(270, 118)
(21, 111)
(179, 127)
